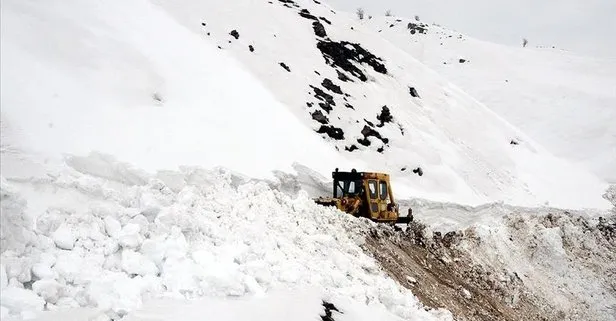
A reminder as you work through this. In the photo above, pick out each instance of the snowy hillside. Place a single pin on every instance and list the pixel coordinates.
(179, 99)
(157, 152)
(563, 101)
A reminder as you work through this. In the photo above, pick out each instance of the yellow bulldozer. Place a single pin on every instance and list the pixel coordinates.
(365, 194)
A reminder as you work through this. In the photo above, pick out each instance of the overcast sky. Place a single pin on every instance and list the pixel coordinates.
(587, 27)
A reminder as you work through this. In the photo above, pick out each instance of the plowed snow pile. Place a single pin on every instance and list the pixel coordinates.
(87, 241)
(507, 263)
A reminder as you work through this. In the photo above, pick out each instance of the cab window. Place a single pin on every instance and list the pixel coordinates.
(383, 190)
(372, 187)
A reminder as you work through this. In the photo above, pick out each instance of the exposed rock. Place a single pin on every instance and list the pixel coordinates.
(251, 48)
(306, 14)
(327, 99)
(342, 54)
(364, 141)
(351, 148)
(369, 122)
(367, 132)
(283, 65)
(326, 21)
(514, 142)
(325, 106)
(329, 307)
(319, 29)
(418, 171)
(413, 92)
(462, 60)
(235, 34)
(347, 105)
(417, 27)
(328, 84)
(384, 117)
(318, 116)
(331, 131)
(342, 76)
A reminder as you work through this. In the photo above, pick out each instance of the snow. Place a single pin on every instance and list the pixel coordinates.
(562, 100)
(63, 237)
(211, 239)
(146, 172)
(97, 71)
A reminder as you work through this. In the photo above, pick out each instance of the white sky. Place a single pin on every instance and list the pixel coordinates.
(587, 27)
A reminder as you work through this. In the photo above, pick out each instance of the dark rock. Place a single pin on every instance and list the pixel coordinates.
(323, 96)
(401, 129)
(367, 132)
(219, 47)
(413, 92)
(342, 54)
(331, 131)
(327, 107)
(462, 60)
(380, 149)
(326, 21)
(402, 169)
(315, 1)
(329, 307)
(342, 76)
(309, 104)
(318, 116)
(319, 29)
(417, 27)
(514, 142)
(391, 25)
(306, 14)
(351, 148)
(347, 105)
(364, 141)
(203, 24)
(418, 171)
(316, 72)
(384, 117)
(235, 34)
(283, 65)
(208, 33)
(251, 48)
(328, 84)
(352, 28)
(369, 122)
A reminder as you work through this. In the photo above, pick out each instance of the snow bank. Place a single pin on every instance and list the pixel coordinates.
(119, 245)
(564, 256)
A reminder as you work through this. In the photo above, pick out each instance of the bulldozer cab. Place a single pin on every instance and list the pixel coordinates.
(365, 194)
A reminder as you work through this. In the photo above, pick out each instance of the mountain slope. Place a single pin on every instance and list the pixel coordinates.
(430, 131)
(563, 101)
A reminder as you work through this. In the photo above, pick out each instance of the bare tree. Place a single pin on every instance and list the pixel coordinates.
(524, 42)
(360, 13)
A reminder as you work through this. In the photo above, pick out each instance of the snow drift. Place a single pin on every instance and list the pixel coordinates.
(82, 240)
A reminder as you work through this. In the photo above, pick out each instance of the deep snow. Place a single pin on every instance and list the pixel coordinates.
(82, 240)
(148, 213)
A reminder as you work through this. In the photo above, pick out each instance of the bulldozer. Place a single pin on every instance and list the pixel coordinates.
(365, 194)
